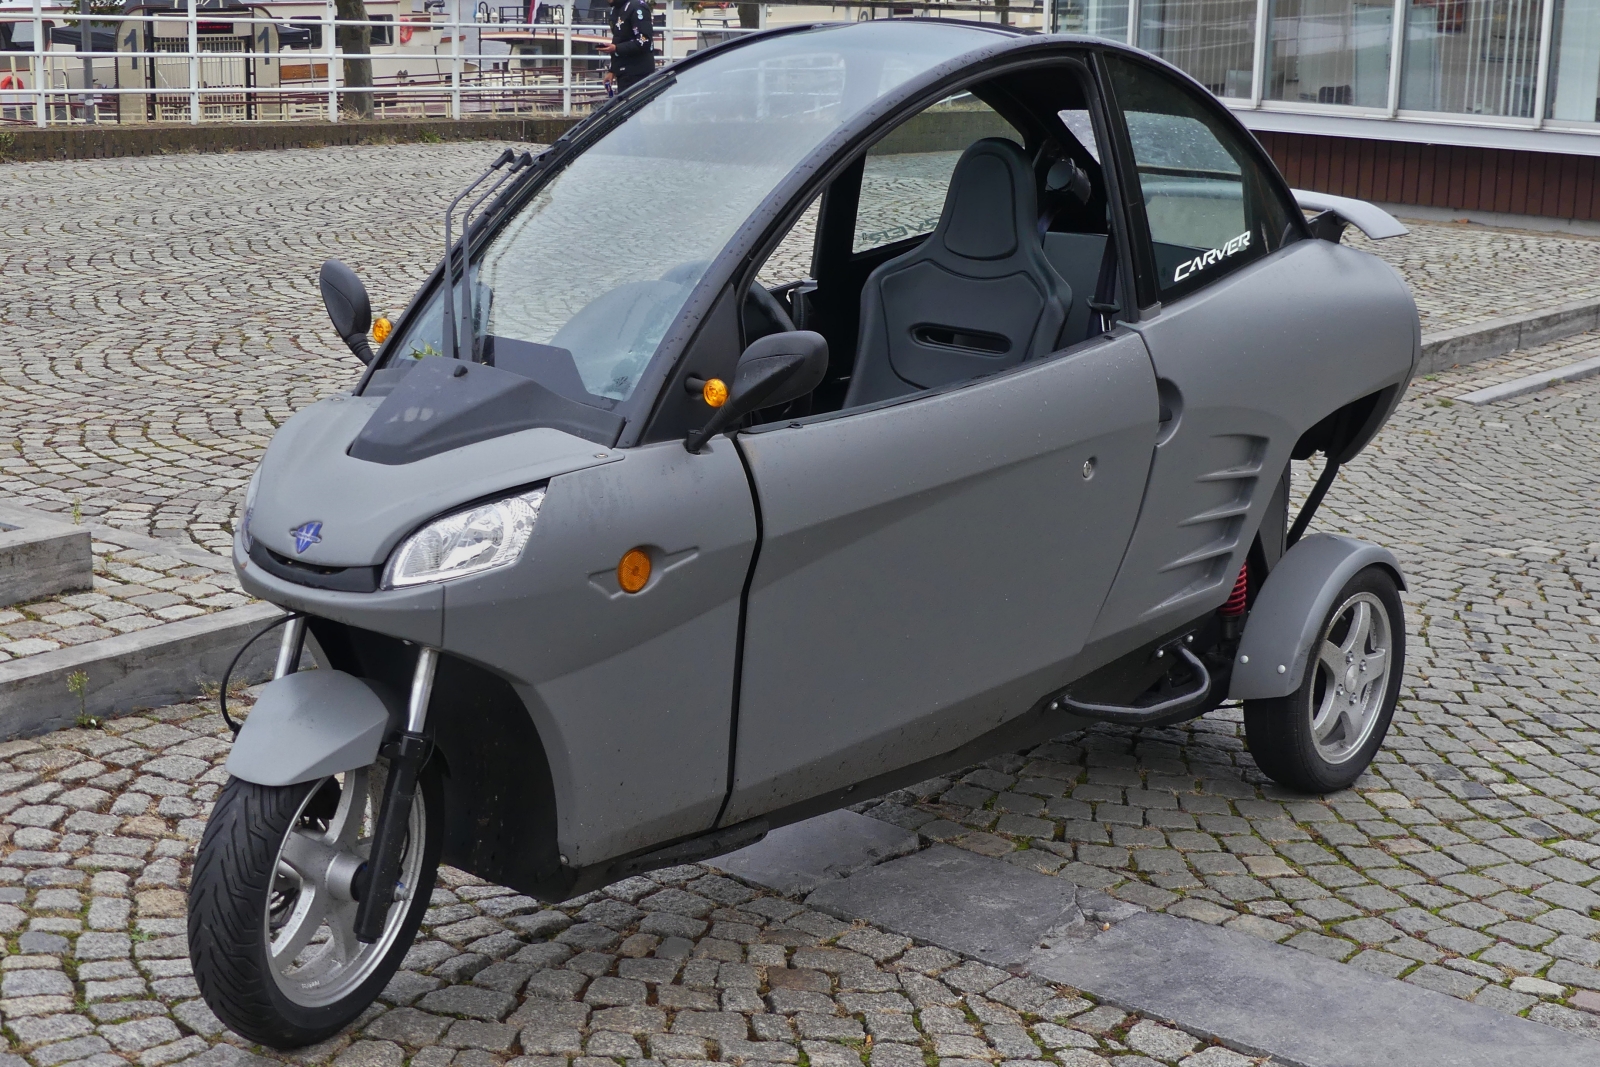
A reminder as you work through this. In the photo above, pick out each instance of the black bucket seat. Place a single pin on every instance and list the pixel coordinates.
(978, 296)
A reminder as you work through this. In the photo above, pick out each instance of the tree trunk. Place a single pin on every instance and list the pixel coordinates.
(749, 16)
(356, 43)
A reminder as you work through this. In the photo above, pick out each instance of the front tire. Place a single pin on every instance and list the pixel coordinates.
(271, 922)
(1321, 737)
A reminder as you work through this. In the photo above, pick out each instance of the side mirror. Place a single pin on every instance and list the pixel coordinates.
(774, 370)
(346, 300)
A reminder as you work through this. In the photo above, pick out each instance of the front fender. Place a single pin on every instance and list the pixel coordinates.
(1290, 608)
(309, 725)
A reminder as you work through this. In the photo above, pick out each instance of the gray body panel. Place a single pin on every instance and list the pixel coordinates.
(1290, 608)
(1370, 219)
(929, 569)
(309, 725)
(632, 694)
(366, 508)
(1252, 362)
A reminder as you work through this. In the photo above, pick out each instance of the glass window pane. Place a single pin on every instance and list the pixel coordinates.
(906, 175)
(1097, 18)
(1330, 52)
(1471, 57)
(1213, 41)
(1209, 207)
(595, 267)
(1575, 61)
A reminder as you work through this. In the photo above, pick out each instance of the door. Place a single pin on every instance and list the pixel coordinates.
(1253, 342)
(929, 569)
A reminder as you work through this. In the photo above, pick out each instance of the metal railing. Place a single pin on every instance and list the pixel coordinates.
(196, 64)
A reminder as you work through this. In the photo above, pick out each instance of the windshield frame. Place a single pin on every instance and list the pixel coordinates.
(638, 408)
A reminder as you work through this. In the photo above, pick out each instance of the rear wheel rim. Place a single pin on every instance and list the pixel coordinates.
(1351, 681)
(309, 921)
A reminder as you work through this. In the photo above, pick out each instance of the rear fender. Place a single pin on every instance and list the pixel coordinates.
(1290, 608)
(309, 725)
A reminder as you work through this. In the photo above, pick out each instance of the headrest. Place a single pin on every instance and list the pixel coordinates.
(991, 202)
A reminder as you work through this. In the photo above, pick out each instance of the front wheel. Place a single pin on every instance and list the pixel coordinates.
(271, 911)
(1320, 738)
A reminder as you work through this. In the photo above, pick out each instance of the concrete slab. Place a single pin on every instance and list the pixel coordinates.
(145, 669)
(1303, 1010)
(41, 556)
(982, 907)
(795, 859)
(1532, 383)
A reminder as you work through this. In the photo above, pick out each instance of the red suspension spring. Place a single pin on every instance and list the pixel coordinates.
(1241, 591)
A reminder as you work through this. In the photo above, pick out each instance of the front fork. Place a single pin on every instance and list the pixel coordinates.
(374, 885)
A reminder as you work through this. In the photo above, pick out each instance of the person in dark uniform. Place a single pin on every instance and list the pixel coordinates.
(632, 57)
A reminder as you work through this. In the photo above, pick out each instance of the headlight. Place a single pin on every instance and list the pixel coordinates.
(470, 541)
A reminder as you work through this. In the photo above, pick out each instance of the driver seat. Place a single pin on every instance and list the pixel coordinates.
(978, 296)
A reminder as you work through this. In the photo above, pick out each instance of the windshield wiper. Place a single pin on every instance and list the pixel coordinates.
(452, 329)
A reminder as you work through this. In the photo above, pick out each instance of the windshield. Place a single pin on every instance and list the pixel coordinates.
(579, 288)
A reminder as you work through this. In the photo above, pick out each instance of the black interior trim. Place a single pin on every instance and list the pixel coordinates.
(340, 579)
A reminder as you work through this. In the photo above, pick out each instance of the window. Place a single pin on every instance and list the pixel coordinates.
(1213, 41)
(1097, 18)
(1330, 52)
(1473, 57)
(1206, 199)
(905, 176)
(1575, 62)
(383, 34)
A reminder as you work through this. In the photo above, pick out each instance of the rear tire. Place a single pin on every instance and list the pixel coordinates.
(273, 871)
(1321, 737)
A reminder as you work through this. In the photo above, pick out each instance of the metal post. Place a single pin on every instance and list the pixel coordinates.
(421, 684)
(41, 109)
(1541, 85)
(455, 63)
(194, 65)
(1133, 23)
(86, 46)
(566, 57)
(1258, 74)
(1397, 44)
(294, 636)
(328, 44)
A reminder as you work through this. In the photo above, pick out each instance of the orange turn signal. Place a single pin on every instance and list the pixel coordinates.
(715, 392)
(381, 328)
(633, 572)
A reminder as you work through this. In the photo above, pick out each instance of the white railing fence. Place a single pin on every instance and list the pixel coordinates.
(199, 65)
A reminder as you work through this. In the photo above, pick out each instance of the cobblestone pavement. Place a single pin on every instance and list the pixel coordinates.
(162, 316)
(664, 971)
(133, 590)
(1468, 859)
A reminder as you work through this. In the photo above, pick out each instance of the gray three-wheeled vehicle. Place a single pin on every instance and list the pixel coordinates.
(837, 407)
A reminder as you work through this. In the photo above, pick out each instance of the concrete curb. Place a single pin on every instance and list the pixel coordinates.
(41, 556)
(165, 664)
(30, 144)
(1254, 996)
(1496, 337)
(1533, 383)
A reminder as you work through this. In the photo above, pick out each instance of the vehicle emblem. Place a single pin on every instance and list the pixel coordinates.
(306, 535)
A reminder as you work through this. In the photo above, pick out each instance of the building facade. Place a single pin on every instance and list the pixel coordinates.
(1474, 105)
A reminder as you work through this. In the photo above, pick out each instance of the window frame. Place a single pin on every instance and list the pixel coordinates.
(1080, 59)
(1148, 281)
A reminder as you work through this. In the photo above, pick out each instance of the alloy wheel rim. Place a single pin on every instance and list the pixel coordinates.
(1352, 678)
(310, 916)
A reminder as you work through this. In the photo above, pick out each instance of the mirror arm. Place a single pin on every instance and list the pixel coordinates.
(361, 347)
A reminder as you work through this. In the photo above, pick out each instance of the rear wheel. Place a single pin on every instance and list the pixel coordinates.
(271, 910)
(1320, 738)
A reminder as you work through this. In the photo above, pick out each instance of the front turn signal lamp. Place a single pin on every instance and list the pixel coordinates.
(633, 570)
(715, 392)
(381, 329)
